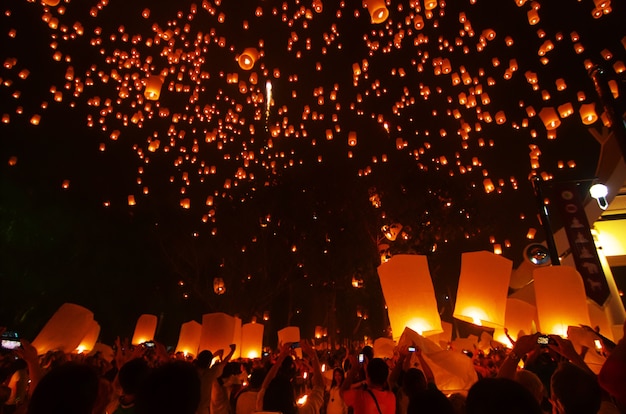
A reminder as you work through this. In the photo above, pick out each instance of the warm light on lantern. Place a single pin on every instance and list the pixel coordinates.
(248, 58)
(378, 10)
(144, 329)
(483, 288)
(566, 284)
(588, 113)
(416, 307)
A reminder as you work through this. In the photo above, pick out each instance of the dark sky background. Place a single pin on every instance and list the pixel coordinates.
(297, 223)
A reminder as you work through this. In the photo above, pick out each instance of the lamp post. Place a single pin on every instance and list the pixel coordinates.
(536, 182)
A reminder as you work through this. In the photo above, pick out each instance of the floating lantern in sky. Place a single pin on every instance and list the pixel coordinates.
(483, 288)
(409, 295)
(549, 117)
(219, 287)
(377, 10)
(248, 58)
(153, 87)
(588, 113)
(561, 299)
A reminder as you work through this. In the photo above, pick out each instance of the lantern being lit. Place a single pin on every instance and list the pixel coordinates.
(378, 10)
(248, 58)
(65, 330)
(219, 331)
(189, 338)
(483, 288)
(561, 299)
(409, 295)
(144, 329)
(251, 340)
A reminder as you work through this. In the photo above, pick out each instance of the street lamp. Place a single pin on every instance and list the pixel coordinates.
(599, 192)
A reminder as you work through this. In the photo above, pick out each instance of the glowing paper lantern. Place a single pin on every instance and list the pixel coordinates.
(483, 288)
(51, 2)
(560, 298)
(189, 338)
(248, 58)
(90, 338)
(289, 334)
(549, 117)
(251, 340)
(219, 331)
(588, 113)
(519, 319)
(378, 10)
(144, 329)
(153, 87)
(65, 329)
(409, 294)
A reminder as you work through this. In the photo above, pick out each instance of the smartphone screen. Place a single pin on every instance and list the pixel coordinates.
(361, 358)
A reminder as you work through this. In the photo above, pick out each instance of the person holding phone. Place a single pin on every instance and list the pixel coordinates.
(374, 396)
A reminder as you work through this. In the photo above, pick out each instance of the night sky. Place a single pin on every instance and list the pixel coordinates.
(268, 191)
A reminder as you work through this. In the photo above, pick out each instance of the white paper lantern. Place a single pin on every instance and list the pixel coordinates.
(189, 338)
(65, 330)
(144, 329)
(252, 340)
(561, 299)
(483, 288)
(409, 295)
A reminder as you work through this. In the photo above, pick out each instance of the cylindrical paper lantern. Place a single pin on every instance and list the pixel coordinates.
(90, 339)
(549, 117)
(483, 288)
(219, 331)
(189, 338)
(144, 329)
(65, 329)
(251, 340)
(588, 113)
(518, 318)
(288, 334)
(409, 295)
(378, 10)
(560, 298)
(153, 87)
(247, 58)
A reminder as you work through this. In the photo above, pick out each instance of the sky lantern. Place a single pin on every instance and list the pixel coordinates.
(153, 87)
(144, 329)
(219, 331)
(549, 117)
(588, 113)
(219, 287)
(51, 3)
(89, 340)
(409, 294)
(519, 319)
(483, 288)
(189, 338)
(533, 17)
(248, 58)
(352, 138)
(288, 334)
(430, 4)
(378, 10)
(252, 340)
(561, 299)
(65, 330)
